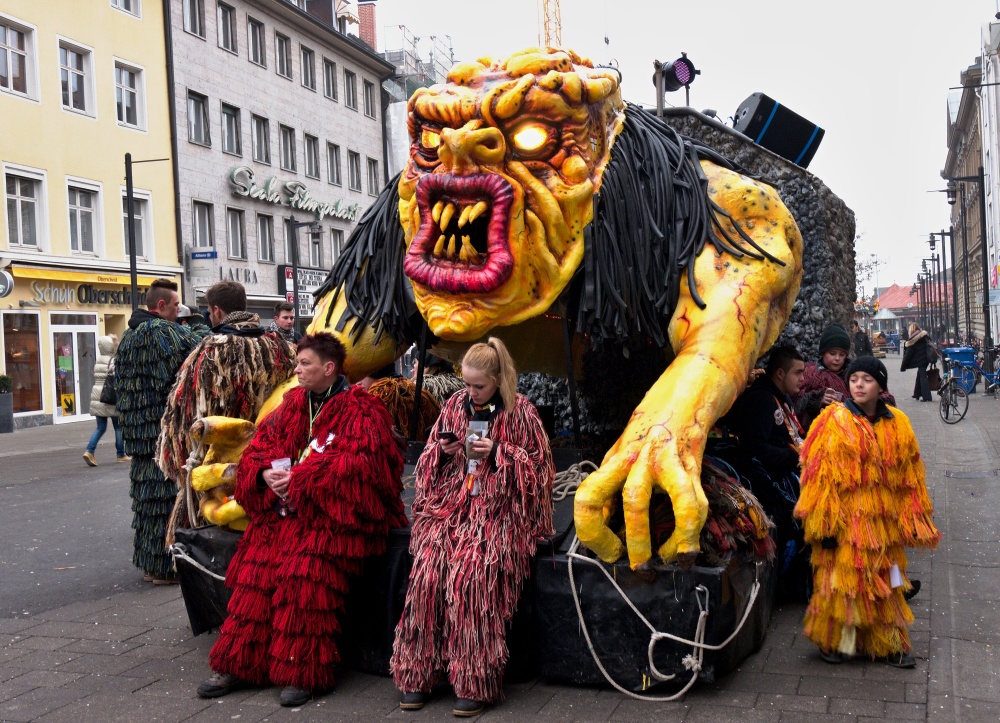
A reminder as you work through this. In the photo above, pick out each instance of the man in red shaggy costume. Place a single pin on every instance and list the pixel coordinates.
(310, 528)
(473, 536)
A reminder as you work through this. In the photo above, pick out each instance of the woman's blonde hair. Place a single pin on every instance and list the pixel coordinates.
(913, 328)
(493, 360)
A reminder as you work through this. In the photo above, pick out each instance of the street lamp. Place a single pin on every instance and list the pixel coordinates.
(294, 225)
(980, 178)
(928, 292)
(950, 235)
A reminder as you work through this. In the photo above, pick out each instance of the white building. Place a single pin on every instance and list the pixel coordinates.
(277, 115)
(989, 114)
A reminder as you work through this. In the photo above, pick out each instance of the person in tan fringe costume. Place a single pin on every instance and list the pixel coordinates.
(473, 535)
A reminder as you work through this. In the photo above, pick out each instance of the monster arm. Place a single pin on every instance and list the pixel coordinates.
(747, 304)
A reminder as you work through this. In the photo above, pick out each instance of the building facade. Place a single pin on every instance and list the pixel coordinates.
(989, 112)
(278, 119)
(81, 85)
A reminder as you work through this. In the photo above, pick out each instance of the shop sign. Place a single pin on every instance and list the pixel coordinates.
(993, 275)
(6, 283)
(234, 273)
(49, 293)
(293, 194)
(309, 279)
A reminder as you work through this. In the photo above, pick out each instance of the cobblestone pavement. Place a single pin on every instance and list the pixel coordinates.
(128, 654)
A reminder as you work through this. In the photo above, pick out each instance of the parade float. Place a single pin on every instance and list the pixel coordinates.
(649, 262)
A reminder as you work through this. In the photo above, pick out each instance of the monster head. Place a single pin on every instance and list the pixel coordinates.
(505, 159)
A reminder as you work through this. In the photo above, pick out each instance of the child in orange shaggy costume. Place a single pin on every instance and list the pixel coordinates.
(864, 498)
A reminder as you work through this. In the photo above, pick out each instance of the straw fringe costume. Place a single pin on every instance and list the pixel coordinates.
(290, 575)
(150, 353)
(863, 488)
(471, 554)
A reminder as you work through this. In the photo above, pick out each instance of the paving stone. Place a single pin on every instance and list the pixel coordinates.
(796, 717)
(42, 643)
(9, 626)
(37, 702)
(764, 683)
(10, 653)
(846, 688)
(11, 671)
(44, 659)
(102, 647)
(103, 683)
(97, 664)
(164, 636)
(705, 713)
(46, 678)
(975, 668)
(905, 711)
(796, 661)
(225, 710)
(916, 693)
(572, 704)
(721, 696)
(853, 706)
(804, 703)
(141, 616)
(143, 652)
(78, 611)
(641, 711)
(115, 708)
(90, 631)
(880, 670)
(11, 689)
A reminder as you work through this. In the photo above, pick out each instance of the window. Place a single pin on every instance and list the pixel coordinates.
(312, 156)
(337, 244)
(329, 79)
(14, 53)
(261, 139)
(201, 225)
(132, 7)
(130, 105)
(227, 28)
(235, 235)
(198, 131)
(265, 237)
(354, 170)
(316, 250)
(194, 17)
(308, 62)
(23, 212)
(75, 77)
(255, 42)
(333, 163)
(283, 55)
(231, 130)
(22, 361)
(374, 182)
(140, 213)
(369, 99)
(82, 209)
(286, 142)
(350, 89)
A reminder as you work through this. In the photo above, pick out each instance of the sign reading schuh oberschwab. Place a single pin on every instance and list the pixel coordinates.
(293, 194)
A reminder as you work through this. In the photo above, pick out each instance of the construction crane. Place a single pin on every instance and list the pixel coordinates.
(549, 24)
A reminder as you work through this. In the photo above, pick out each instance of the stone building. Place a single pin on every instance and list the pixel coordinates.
(278, 116)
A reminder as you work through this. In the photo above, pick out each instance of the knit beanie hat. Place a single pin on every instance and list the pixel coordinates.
(871, 366)
(834, 337)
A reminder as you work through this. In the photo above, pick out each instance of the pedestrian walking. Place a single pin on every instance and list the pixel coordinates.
(918, 354)
(103, 411)
(863, 499)
(151, 351)
(862, 344)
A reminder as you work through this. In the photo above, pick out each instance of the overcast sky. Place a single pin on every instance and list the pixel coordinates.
(874, 74)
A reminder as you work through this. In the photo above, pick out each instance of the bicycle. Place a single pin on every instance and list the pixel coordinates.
(954, 400)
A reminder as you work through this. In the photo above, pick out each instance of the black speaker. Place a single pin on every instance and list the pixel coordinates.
(778, 129)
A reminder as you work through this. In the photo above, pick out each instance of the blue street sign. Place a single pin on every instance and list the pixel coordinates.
(204, 254)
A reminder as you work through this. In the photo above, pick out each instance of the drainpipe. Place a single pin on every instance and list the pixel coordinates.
(174, 163)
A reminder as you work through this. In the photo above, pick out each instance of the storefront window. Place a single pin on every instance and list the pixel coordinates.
(22, 360)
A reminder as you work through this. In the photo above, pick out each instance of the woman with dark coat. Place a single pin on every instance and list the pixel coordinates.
(917, 355)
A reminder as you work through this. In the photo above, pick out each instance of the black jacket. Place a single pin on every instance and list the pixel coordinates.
(916, 354)
(862, 345)
(762, 432)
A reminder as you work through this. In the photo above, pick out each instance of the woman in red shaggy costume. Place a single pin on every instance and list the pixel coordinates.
(473, 535)
(310, 528)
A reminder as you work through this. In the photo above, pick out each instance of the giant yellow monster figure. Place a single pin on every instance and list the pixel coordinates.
(528, 173)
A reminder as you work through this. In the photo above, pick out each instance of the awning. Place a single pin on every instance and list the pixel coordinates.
(884, 314)
(101, 277)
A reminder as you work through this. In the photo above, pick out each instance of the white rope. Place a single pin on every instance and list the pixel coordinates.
(567, 481)
(178, 551)
(692, 662)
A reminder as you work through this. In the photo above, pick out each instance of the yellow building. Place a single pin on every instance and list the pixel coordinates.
(82, 83)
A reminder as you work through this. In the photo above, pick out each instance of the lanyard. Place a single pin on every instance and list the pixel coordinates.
(313, 416)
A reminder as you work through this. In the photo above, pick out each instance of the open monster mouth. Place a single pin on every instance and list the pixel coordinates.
(461, 245)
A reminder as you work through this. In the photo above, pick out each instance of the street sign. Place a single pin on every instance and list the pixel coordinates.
(994, 297)
(6, 283)
(204, 254)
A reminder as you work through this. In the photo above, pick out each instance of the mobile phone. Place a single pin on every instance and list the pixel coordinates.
(447, 435)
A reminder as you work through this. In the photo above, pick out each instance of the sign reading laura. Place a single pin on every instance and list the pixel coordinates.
(293, 194)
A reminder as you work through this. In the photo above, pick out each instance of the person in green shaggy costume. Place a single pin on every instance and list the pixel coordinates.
(151, 351)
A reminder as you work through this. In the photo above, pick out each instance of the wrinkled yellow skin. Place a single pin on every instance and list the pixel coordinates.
(215, 479)
(747, 305)
(474, 119)
(469, 127)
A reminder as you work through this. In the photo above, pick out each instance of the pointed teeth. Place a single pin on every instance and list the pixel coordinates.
(446, 216)
(436, 211)
(468, 252)
(464, 218)
(439, 246)
(451, 247)
(476, 211)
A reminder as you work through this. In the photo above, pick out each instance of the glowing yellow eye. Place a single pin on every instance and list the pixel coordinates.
(429, 138)
(530, 138)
